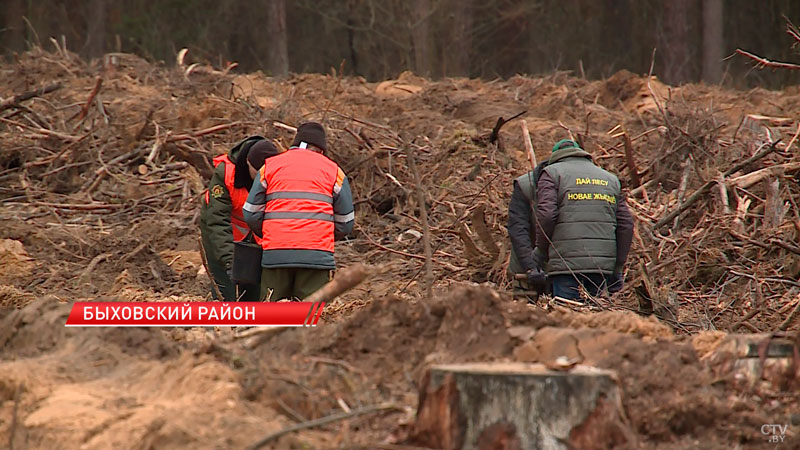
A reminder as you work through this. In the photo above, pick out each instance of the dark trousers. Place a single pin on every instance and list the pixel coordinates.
(228, 289)
(568, 286)
(292, 282)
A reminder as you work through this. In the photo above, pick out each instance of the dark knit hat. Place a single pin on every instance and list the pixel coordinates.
(310, 133)
(259, 152)
(564, 144)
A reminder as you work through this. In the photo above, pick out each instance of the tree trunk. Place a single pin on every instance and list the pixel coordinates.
(675, 41)
(459, 39)
(95, 45)
(713, 44)
(421, 37)
(278, 55)
(519, 406)
(14, 35)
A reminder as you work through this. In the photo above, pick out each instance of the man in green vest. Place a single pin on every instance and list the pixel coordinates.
(584, 228)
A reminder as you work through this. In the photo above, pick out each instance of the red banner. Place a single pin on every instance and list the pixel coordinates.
(194, 314)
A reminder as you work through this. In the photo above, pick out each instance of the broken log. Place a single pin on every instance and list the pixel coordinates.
(479, 223)
(774, 210)
(749, 179)
(630, 161)
(519, 406)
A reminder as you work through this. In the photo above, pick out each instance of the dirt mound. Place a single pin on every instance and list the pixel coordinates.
(11, 297)
(467, 324)
(622, 321)
(120, 388)
(99, 199)
(175, 388)
(14, 260)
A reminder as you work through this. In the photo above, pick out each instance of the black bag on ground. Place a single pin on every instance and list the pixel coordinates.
(246, 267)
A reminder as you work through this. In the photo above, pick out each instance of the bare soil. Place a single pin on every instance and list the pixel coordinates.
(75, 227)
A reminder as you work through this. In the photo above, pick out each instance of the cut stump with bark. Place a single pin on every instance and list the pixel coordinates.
(505, 406)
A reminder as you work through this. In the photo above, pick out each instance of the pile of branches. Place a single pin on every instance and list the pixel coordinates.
(717, 223)
(68, 156)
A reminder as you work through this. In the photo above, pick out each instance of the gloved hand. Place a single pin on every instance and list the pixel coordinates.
(615, 282)
(539, 258)
(536, 277)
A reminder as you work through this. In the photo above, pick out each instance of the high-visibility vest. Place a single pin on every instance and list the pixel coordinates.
(298, 214)
(238, 199)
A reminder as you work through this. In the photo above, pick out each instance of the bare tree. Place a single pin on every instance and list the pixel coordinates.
(712, 41)
(278, 54)
(421, 37)
(675, 41)
(13, 37)
(95, 44)
(459, 40)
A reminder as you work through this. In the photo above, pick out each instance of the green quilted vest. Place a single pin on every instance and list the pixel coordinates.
(584, 239)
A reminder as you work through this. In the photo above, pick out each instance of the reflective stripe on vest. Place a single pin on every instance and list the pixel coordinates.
(238, 198)
(299, 210)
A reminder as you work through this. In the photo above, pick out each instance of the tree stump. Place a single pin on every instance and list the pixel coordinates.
(516, 406)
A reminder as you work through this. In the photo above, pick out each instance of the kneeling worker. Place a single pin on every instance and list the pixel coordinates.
(222, 224)
(300, 203)
(522, 233)
(584, 227)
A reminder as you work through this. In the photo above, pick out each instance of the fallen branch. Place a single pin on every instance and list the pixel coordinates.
(764, 62)
(41, 133)
(411, 255)
(785, 324)
(701, 192)
(92, 264)
(495, 134)
(323, 421)
(204, 259)
(749, 179)
(87, 207)
(630, 161)
(19, 98)
(526, 139)
(423, 215)
(640, 189)
(725, 208)
(284, 126)
(344, 280)
(203, 132)
(754, 312)
(85, 108)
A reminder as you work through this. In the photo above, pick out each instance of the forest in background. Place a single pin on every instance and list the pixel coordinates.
(379, 39)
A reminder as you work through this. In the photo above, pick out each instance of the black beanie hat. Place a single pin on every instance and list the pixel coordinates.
(259, 152)
(310, 133)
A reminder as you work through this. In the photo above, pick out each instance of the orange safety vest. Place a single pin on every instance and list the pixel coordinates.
(298, 214)
(238, 199)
